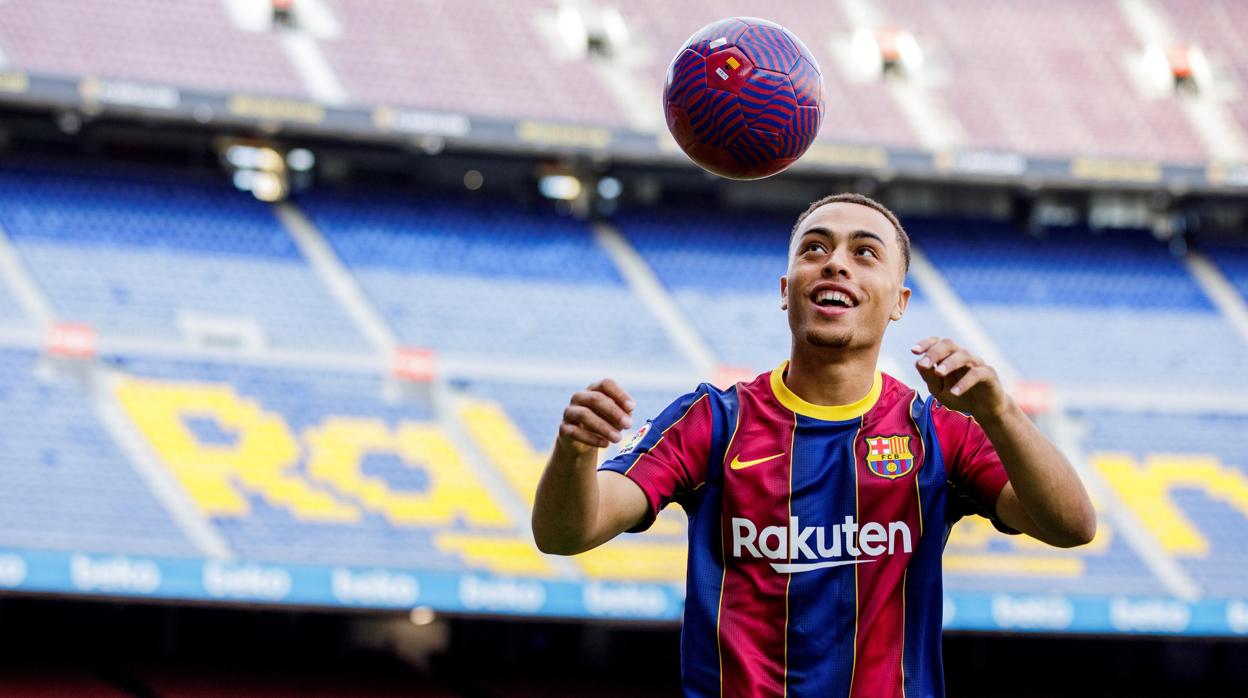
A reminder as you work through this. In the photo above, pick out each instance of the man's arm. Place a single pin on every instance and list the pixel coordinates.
(1044, 498)
(577, 507)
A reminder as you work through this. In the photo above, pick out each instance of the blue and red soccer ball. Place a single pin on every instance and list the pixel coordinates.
(744, 98)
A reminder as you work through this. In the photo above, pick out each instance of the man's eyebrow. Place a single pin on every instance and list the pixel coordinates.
(817, 230)
(865, 234)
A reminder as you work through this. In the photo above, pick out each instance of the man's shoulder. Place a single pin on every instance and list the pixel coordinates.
(894, 393)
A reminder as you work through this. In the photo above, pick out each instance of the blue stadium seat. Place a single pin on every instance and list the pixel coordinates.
(67, 486)
(11, 314)
(1117, 301)
(1185, 439)
(129, 251)
(490, 280)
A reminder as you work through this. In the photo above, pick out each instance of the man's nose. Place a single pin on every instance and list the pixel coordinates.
(836, 266)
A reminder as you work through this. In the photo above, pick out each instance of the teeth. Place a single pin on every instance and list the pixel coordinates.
(834, 296)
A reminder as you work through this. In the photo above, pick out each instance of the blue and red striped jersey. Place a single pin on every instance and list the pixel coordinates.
(815, 534)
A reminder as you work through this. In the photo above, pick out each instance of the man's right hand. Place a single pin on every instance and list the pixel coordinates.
(595, 417)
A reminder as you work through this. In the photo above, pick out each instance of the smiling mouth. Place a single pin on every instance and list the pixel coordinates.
(833, 299)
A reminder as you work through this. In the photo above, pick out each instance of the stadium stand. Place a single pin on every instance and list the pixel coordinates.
(475, 59)
(323, 465)
(11, 314)
(1214, 26)
(977, 558)
(149, 255)
(1187, 477)
(489, 281)
(1042, 80)
(310, 466)
(1117, 299)
(67, 486)
(1046, 79)
(187, 44)
(1233, 261)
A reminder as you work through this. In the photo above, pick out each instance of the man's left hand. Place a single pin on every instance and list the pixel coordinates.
(960, 380)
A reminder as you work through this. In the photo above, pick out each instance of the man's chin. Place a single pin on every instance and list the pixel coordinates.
(829, 340)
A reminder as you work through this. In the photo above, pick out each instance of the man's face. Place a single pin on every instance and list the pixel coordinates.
(845, 279)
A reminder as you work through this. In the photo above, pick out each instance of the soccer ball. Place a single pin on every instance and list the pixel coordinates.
(744, 98)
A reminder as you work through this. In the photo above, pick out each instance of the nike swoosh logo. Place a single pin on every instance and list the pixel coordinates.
(795, 567)
(738, 464)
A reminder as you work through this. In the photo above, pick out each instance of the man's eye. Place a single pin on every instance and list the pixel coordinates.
(815, 246)
(868, 250)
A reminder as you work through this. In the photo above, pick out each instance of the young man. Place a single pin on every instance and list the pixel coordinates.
(819, 495)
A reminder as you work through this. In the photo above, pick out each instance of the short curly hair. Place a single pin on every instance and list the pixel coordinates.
(903, 238)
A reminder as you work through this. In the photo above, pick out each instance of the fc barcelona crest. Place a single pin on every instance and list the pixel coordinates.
(889, 456)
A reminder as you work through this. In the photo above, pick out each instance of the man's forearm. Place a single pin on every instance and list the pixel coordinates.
(1047, 486)
(565, 508)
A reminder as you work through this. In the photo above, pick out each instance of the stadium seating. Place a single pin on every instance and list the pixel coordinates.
(187, 44)
(67, 485)
(1046, 79)
(11, 314)
(977, 558)
(309, 463)
(1213, 27)
(310, 466)
(467, 58)
(145, 254)
(1186, 477)
(1233, 262)
(484, 279)
(1117, 300)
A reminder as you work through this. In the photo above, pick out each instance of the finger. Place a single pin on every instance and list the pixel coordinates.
(585, 417)
(579, 434)
(615, 392)
(934, 382)
(974, 376)
(938, 352)
(603, 406)
(954, 361)
(924, 344)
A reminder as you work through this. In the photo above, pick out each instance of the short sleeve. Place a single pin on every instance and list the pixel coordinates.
(976, 476)
(668, 456)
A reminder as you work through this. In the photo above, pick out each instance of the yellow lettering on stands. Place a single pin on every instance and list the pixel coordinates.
(501, 555)
(336, 451)
(968, 552)
(1146, 489)
(636, 561)
(262, 460)
(511, 453)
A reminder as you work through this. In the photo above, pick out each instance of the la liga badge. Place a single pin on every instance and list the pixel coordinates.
(635, 438)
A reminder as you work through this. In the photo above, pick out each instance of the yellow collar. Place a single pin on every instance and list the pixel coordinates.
(827, 413)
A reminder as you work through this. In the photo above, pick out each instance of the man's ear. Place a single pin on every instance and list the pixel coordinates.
(784, 292)
(903, 300)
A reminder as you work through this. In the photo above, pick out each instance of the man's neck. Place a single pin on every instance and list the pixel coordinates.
(823, 376)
